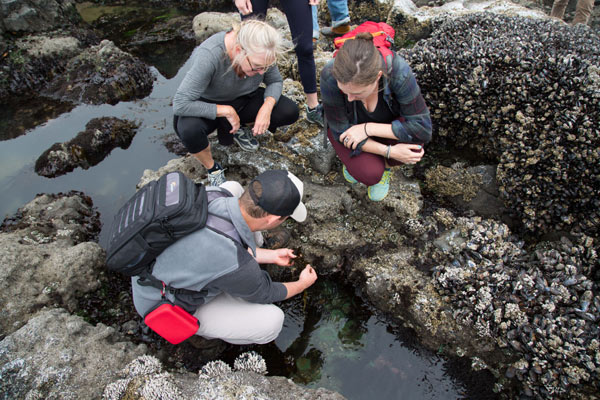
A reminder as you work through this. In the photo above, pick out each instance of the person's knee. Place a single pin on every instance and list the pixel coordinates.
(371, 177)
(289, 113)
(193, 133)
(272, 325)
(304, 49)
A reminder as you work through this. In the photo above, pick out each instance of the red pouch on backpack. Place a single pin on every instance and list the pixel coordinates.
(171, 322)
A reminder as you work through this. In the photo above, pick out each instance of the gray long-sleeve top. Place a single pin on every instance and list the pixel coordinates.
(212, 78)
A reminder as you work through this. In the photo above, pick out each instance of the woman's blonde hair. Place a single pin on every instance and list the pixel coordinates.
(258, 37)
(358, 61)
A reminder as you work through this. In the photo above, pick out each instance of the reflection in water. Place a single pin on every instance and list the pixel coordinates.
(331, 339)
(166, 57)
(18, 117)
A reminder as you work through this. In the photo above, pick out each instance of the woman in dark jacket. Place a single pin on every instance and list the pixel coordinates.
(376, 115)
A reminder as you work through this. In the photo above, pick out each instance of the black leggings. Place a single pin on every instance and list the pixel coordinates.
(299, 17)
(194, 131)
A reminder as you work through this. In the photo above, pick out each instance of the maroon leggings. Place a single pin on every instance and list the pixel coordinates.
(366, 167)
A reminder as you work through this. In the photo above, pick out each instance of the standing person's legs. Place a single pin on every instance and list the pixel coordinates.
(237, 321)
(259, 9)
(583, 11)
(299, 17)
(315, 21)
(558, 8)
(338, 9)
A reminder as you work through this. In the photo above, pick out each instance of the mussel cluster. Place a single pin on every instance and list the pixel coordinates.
(541, 304)
(524, 93)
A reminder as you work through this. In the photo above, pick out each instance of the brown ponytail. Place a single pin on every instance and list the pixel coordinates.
(358, 61)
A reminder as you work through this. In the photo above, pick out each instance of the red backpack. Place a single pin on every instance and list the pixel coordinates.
(383, 39)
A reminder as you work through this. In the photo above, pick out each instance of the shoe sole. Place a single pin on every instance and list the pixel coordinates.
(348, 180)
(312, 121)
(243, 147)
(372, 199)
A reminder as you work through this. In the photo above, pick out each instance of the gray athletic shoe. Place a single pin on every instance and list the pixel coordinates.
(315, 116)
(216, 178)
(245, 139)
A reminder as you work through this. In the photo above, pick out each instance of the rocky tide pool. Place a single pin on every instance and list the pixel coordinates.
(330, 339)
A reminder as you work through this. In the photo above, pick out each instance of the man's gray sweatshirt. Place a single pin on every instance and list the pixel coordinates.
(210, 263)
(212, 78)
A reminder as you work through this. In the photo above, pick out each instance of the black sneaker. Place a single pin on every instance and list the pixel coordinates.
(245, 139)
(315, 115)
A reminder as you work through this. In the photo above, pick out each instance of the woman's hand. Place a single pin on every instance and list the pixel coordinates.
(263, 117)
(232, 116)
(407, 153)
(353, 136)
(244, 6)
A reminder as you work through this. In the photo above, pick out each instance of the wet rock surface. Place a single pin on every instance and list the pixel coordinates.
(59, 355)
(102, 74)
(38, 37)
(28, 16)
(48, 257)
(88, 148)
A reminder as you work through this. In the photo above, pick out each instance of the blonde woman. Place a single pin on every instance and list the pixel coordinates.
(375, 120)
(222, 91)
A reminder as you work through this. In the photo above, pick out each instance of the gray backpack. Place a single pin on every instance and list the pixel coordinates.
(159, 214)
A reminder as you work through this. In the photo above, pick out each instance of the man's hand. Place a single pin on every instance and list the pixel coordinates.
(284, 257)
(244, 6)
(308, 276)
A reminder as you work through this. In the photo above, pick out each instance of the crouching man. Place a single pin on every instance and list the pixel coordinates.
(217, 268)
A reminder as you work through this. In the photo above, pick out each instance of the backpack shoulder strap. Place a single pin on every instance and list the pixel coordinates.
(215, 223)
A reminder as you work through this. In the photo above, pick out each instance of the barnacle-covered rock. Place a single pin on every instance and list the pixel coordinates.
(102, 74)
(542, 304)
(522, 93)
(48, 256)
(144, 380)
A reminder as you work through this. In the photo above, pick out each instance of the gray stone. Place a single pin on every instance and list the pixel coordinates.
(102, 74)
(208, 23)
(60, 356)
(45, 260)
(36, 15)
